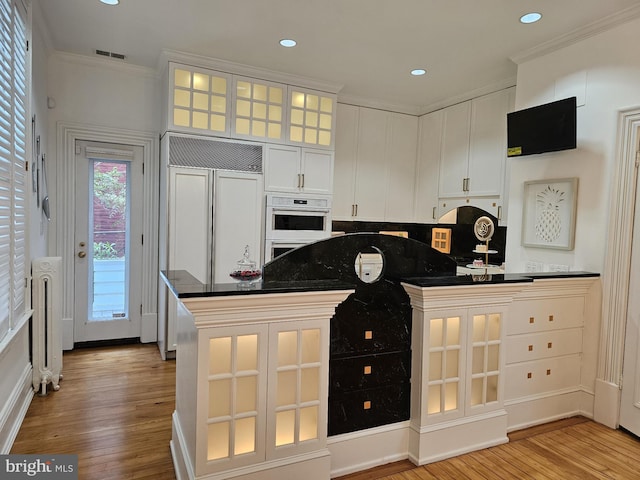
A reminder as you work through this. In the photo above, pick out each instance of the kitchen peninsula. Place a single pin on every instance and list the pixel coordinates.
(290, 377)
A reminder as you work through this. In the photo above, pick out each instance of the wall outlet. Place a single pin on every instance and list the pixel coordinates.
(532, 267)
(553, 267)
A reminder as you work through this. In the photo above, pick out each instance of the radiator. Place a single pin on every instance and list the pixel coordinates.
(47, 323)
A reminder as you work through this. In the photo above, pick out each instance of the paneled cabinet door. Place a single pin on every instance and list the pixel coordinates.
(488, 145)
(401, 155)
(295, 170)
(258, 110)
(344, 177)
(371, 168)
(428, 165)
(454, 159)
(311, 118)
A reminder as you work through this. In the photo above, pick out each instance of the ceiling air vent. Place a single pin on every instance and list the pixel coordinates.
(104, 53)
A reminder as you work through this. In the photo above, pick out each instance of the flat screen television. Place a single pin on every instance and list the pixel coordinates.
(545, 128)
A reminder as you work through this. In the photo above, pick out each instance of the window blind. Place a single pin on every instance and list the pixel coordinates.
(13, 153)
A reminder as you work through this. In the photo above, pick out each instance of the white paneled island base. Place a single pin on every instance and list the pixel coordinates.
(252, 373)
(251, 386)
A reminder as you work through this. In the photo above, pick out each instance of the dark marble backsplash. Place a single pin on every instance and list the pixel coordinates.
(462, 236)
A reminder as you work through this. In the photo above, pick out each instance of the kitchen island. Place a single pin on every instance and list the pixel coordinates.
(257, 367)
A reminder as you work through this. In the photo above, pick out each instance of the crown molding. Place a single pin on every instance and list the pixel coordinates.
(110, 63)
(578, 35)
(469, 95)
(245, 70)
(359, 101)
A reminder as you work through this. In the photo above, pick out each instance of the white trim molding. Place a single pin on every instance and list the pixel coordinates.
(63, 216)
(617, 270)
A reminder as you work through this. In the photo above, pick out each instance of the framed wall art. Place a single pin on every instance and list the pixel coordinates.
(549, 213)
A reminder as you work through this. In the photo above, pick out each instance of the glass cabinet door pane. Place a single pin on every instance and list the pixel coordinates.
(287, 387)
(246, 394)
(453, 331)
(287, 348)
(218, 441)
(451, 396)
(436, 330)
(247, 356)
(310, 384)
(453, 357)
(433, 401)
(245, 436)
(435, 366)
(311, 345)
(182, 78)
(220, 398)
(308, 423)
(285, 427)
(220, 355)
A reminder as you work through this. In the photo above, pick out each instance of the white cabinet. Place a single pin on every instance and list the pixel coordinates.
(545, 352)
(209, 102)
(298, 170)
(375, 165)
(251, 395)
(458, 377)
(427, 167)
(473, 154)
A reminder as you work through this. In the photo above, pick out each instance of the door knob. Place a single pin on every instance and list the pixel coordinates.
(82, 254)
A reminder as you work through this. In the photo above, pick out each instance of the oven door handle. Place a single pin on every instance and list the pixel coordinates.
(302, 210)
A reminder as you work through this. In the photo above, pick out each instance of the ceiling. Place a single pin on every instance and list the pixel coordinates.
(368, 47)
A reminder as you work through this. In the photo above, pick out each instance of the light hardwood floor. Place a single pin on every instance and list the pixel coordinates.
(114, 410)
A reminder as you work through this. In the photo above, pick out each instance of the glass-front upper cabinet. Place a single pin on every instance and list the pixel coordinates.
(259, 109)
(311, 117)
(199, 100)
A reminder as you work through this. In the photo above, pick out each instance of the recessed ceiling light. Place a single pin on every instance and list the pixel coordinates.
(418, 71)
(530, 17)
(287, 42)
(110, 2)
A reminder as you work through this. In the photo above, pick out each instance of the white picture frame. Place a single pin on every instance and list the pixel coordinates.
(549, 213)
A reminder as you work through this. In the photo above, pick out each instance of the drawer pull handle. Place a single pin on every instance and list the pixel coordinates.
(531, 348)
(529, 375)
(368, 334)
(548, 371)
(532, 319)
(551, 318)
(550, 345)
(367, 370)
(367, 405)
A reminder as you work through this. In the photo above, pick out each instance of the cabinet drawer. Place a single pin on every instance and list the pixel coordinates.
(369, 408)
(364, 334)
(542, 376)
(368, 371)
(529, 316)
(535, 346)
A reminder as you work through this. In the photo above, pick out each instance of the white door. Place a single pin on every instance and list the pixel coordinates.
(108, 241)
(630, 395)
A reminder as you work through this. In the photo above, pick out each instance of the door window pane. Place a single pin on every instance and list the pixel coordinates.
(108, 231)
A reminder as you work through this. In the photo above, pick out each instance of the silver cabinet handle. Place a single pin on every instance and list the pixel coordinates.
(302, 180)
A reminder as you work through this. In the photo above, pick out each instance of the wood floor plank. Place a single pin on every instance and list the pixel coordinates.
(115, 404)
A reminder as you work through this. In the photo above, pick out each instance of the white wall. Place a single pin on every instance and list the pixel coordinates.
(604, 72)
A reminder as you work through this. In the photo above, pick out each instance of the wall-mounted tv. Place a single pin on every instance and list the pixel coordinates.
(544, 128)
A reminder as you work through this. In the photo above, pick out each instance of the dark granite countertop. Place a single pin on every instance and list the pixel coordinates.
(184, 285)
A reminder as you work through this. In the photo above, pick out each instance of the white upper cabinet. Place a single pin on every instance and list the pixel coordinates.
(209, 102)
(311, 118)
(344, 178)
(474, 140)
(454, 158)
(371, 166)
(427, 167)
(199, 100)
(258, 110)
(375, 165)
(298, 170)
(401, 154)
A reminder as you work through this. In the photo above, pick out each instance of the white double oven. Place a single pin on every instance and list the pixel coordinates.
(293, 221)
